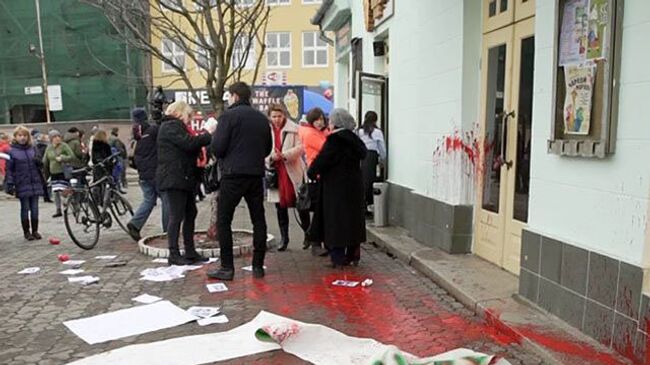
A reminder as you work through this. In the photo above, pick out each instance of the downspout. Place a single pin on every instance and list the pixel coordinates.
(324, 37)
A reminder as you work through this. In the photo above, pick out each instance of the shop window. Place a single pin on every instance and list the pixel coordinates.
(587, 44)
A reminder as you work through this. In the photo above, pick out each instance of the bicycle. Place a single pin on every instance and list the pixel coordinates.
(90, 207)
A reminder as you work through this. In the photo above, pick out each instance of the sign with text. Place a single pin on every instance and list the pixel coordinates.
(263, 96)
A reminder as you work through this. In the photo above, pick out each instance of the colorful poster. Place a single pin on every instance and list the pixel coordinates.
(573, 34)
(597, 33)
(577, 102)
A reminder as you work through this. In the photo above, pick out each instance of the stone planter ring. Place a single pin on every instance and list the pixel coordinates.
(156, 245)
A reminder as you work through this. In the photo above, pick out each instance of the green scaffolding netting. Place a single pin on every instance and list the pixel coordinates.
(100, 77)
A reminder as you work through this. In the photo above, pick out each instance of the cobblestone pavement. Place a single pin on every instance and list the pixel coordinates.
(401, 308)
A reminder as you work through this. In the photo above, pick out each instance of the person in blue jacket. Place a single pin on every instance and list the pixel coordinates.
(23, 180)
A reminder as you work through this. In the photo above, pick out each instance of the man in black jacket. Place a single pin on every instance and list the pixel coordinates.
(241, 142)
(146, 159)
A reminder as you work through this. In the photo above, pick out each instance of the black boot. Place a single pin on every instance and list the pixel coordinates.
(193, 256)
(175, 258)
(284, 233)
(318, 250)
(258, 264)
(35, 234)
(26, 233)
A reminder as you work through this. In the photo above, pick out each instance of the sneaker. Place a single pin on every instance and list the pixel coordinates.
(222, 274)
(133, 231)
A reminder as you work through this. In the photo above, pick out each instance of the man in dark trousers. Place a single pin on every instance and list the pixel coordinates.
(241, 143)
(146, 160)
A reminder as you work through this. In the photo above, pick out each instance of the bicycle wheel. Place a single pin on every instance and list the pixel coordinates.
(121, 210)
(82, 220)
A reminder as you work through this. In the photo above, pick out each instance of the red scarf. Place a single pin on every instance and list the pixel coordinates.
(202, 160)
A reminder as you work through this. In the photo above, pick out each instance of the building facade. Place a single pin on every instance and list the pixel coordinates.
(513, 134)
(91, 74)
(296, 53)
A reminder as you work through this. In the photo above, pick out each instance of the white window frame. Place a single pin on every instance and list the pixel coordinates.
(244, 3)
(167, 68)
(311, 2)
(202, 53)
(278, 2)
(171, 4)
(315, 48)
(199, 7)
(278, 50)
(252, 53)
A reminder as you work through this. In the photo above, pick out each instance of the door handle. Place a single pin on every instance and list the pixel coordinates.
(504, 143)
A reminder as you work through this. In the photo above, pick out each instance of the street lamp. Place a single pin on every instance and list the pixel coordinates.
(41, 56)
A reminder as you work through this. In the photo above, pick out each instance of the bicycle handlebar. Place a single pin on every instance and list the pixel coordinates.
(100, 163)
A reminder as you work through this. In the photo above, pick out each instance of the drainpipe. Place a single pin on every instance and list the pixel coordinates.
(324, 37)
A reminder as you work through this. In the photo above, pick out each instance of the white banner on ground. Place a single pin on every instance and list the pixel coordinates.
(314, 343)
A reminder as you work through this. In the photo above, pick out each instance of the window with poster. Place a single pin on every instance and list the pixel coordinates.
(587, 48)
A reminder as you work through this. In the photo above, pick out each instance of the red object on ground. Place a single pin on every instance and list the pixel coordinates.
(54, 241)
(63, 258)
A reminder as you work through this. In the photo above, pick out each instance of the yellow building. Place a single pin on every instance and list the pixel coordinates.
(295, 53)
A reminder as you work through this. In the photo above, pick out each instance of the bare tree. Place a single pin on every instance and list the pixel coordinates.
(217, 35)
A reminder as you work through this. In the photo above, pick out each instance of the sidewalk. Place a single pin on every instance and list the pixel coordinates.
(492, 293)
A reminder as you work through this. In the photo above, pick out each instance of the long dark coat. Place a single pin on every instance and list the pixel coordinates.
(340, 221)
(23, 171)
(177, 155)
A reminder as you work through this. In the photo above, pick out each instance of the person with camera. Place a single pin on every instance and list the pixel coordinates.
(177, 175)
(146, 162)
(286, 170)
(241, 144)
(23, 180)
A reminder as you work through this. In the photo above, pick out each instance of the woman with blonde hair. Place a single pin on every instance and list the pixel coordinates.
(24, 180)
(179, 147)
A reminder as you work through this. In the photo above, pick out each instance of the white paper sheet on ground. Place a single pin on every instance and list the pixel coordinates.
(146, 299)
(129, 322)
(211, 260)
(216, 287)
(345, 283)
(71, 271)
(30, 270)
(74, 262)
(207, 348)
(106, 257)
(250, 268)
(213, 320)
(203, 312)
(166, 273)
(159, 261)
(84, 280)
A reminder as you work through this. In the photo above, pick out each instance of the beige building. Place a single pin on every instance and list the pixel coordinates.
(295, 52)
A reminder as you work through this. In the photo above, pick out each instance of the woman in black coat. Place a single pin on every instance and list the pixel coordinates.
(177, 176)
(341, 219)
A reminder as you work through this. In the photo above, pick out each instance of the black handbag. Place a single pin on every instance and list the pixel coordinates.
(211, 178)
(271, 174)
(271, 178)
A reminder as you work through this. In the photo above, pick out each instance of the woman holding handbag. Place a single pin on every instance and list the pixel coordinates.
(313, 135)
(23, 179)
(286, 160)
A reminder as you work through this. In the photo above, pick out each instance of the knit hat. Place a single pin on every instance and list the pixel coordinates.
(54, 133)
(139, 115)
(35, 132)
